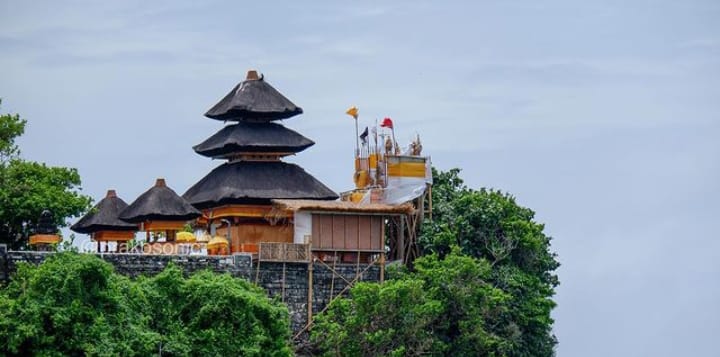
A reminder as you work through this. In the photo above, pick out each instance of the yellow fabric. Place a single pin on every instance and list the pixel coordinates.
(185, 237)
(361, 179)
(373, 160)
(406, 169)
(217, 242)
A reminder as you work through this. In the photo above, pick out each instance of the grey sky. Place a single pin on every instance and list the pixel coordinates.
(602, 116)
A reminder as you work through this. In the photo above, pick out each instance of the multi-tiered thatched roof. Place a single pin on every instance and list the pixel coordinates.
(254, 146)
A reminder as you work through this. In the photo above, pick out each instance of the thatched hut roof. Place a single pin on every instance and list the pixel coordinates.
(104, 216)
(342, 206)
(253, 100)
(256, 182)
(255, 138)
(159, 203)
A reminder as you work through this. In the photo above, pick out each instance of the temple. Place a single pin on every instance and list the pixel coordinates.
(301, 240)
(255, 203)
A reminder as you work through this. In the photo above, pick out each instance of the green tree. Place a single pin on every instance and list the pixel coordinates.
(11, 127)
(487, 281)
(27, 188)
(212, 314)
(75, 304)
(72, 304)
(443, 307)
(391, 319)
(490, 225)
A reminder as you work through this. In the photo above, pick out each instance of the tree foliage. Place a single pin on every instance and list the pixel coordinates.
(441, 308)
(11, 127)
(489, 225)
(75, 304)
(484, 286)
(27, 188)
(213, 314)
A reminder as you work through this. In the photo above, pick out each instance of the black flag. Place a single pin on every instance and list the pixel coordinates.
(364, 135)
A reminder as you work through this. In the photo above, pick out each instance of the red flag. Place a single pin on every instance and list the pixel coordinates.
(387, 123)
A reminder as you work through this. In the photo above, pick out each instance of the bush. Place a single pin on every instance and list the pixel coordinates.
(75, 304)
(442, 308)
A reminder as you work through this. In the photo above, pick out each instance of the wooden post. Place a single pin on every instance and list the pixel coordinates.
(332, 281)
(357, 266)
(257, 272)
(310, 292)
(430, 201)
(382, 267)
(283, 283)
(401, 239)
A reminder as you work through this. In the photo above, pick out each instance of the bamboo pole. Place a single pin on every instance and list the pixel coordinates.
(310, 294)
(357, 138)
(401, 239)
(382, 267)
(282, 297)
(346, 288)
(332, 281)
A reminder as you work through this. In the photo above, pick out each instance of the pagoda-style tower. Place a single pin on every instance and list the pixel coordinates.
(237, 194)
(103, 224)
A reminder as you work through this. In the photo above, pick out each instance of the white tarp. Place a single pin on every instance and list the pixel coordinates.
(401, 190)
(303, 227)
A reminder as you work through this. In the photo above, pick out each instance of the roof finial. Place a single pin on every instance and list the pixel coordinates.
(160, 182)
(252, 75)
(110, 194)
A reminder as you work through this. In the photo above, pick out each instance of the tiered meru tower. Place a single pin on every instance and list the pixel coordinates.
(236, 196)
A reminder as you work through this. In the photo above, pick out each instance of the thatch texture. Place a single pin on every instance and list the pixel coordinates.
(253, 99)
(342, 206)
(256, 182)
(104, 217)
(254, 138)
(159, 203)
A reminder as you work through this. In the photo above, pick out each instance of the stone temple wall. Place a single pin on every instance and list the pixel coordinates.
(287, 282)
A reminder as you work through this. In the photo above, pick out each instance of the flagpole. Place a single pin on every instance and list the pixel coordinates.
(357, 139)
(375, 137)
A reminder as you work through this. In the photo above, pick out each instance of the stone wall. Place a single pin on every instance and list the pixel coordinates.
(288, 282)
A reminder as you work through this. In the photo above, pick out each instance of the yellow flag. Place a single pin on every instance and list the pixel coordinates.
(353, 112)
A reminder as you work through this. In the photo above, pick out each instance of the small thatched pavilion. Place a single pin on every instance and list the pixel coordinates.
(103, 224)
(160, 209)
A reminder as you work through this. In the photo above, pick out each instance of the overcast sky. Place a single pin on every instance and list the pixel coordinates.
(602, 116)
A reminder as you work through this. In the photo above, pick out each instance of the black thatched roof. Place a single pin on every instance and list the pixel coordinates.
(104, 216)
(253, 100)
(256, 181)
(253, 137)
(159, 203)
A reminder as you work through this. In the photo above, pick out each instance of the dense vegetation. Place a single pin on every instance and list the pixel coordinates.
(27, 188)
(483, 288)
(75, 304)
